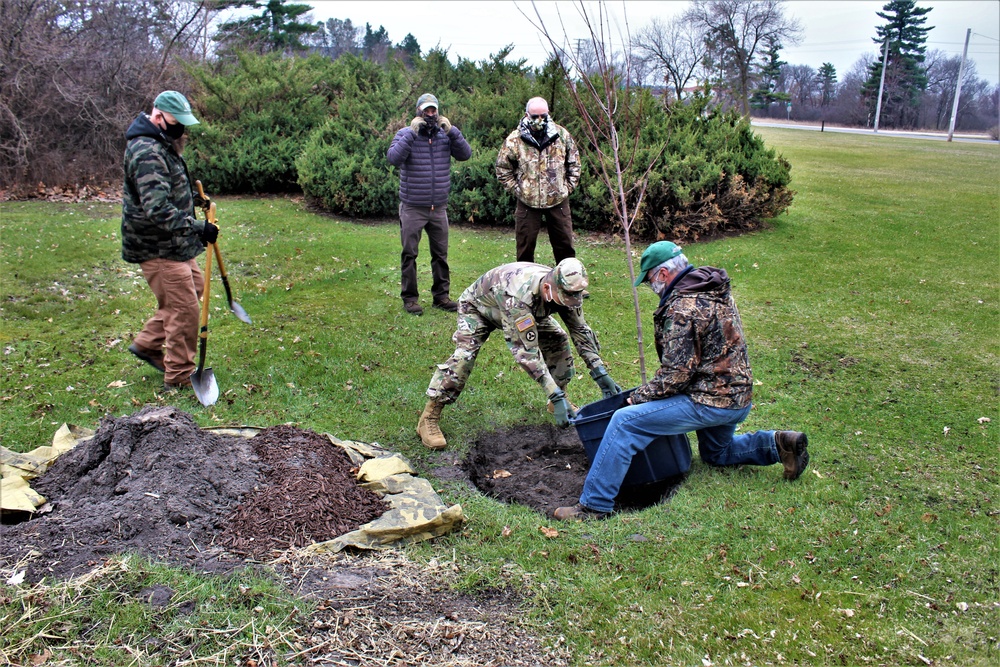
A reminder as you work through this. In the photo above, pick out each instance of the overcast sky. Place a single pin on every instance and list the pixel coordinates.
(838, 31)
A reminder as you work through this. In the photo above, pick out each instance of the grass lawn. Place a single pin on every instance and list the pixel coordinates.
(871, 310)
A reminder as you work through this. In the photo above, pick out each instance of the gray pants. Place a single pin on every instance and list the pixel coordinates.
(412, 221)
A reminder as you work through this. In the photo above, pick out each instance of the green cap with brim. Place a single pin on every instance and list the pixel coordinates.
(177, 106)
(655, 255)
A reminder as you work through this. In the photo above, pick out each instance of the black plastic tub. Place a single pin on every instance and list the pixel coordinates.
(666, 457)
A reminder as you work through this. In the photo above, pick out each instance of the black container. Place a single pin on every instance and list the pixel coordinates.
(667, 456)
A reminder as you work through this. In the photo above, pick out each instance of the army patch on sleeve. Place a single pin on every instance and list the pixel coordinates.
(524, 323)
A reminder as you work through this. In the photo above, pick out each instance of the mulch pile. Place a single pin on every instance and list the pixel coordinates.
(311, 495)
(155, 483)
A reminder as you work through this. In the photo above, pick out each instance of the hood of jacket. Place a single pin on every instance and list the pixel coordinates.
(143, 126)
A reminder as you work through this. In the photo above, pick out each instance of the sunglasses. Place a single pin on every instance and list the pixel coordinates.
(536, 116)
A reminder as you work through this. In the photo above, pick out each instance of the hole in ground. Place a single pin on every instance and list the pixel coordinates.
(544, 467)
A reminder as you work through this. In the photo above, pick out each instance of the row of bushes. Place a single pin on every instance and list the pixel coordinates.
(273, 124)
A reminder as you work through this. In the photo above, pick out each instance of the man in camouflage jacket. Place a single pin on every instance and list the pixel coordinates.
(162, 236)
(704, 384)
(520, 299)
(540, 165)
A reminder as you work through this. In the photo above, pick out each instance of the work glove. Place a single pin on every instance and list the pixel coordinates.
(444, 124)
(561, 411)
(210, 234)
(417, 124)
(604, 381)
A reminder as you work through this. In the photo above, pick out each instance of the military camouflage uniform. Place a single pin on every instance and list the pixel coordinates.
(509, 298)
(161, 234)
(541, 173)
(699, 339)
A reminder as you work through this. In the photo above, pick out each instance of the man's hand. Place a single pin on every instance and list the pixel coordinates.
(417, 124)
(608, 386)
(444, 124)
(561, 411)
(210, 233)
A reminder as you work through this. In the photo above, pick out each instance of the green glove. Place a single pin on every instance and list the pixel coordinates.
(561, 411)
(444, 124)
(608, 386)
(417, 123)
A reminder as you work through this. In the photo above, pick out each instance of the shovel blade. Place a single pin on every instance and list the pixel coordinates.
(205, 387)
(239, 312)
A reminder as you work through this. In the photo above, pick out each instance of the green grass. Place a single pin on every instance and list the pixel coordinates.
(871, 309)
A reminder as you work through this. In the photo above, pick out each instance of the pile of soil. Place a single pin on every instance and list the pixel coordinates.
(156, 484)
(544, 467)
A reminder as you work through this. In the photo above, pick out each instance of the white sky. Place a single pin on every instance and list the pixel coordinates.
(835, 31)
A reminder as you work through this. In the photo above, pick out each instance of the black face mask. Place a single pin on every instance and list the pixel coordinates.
(432, 123)
(175, 131)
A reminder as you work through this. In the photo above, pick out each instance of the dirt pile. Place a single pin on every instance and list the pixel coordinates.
(156, 484)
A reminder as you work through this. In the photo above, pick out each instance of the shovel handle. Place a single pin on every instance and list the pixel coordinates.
(201, 193)
(205, 293)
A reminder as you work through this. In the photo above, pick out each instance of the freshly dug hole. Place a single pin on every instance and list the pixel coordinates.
(544, 467)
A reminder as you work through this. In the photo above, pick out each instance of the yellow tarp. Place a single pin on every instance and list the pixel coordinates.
(416, 512)
(16, 495)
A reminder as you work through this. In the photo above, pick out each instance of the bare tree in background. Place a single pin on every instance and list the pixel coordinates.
(611, 116)
(675, 48)
(74, 74)
(737, 31)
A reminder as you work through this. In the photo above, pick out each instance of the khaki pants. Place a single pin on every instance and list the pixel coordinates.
(174, 328)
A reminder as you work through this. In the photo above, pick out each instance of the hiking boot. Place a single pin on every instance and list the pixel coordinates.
(154, 359)
(552, 410)
(579, 513)
(171, 388)
(413, 308)
(446, 304)
(429, 428)
(792, 452)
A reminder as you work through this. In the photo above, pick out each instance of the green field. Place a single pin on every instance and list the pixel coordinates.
(871, 310)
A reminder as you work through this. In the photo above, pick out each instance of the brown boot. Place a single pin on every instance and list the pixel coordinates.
(792, 452)
(428, 427)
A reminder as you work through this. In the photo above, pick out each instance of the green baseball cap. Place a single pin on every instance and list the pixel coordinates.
(655, 255)
(570, 278)
(176, 105)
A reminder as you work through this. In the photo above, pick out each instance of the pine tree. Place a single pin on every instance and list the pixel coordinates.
(905, 75)
(275, 29)
(767, 78)
(827, 79)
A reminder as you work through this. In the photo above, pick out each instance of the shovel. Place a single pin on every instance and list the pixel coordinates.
(203, 380)
(236, 308)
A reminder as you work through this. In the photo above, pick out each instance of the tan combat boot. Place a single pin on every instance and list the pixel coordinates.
(428, 427)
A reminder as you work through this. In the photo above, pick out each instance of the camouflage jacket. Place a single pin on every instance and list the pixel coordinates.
(699, 339)
(157, 204)
(510, 297)
(541, 174)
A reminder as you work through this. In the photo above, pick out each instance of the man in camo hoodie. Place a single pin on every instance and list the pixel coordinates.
(161, 235)
(540, 165)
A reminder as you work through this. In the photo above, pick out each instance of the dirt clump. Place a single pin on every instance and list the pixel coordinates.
(544, 467)
(156, 484)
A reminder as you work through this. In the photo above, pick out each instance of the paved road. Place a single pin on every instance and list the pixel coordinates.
(968, 138)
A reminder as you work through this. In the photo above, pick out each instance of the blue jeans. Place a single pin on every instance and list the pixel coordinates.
(634, 427)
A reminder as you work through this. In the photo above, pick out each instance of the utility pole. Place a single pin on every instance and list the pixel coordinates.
(958, 86)
(881, 83)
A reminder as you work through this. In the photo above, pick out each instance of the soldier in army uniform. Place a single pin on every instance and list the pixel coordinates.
(540, 165)
(161, 234)
(520, 299)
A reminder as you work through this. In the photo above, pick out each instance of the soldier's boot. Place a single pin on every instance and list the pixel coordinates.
(429, 428)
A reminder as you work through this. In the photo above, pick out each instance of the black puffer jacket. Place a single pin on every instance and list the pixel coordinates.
(424, 162)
